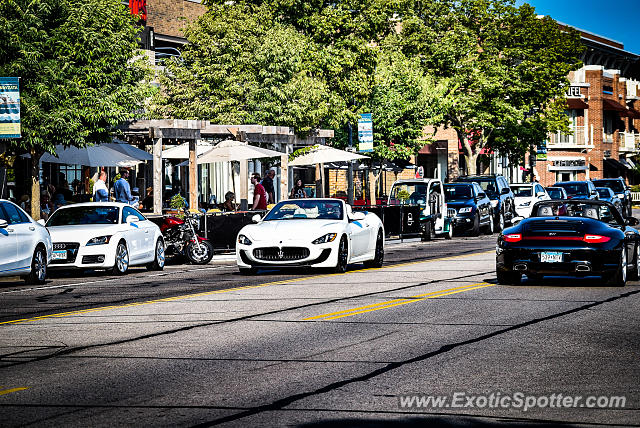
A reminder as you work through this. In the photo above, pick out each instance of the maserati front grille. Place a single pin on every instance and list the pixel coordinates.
(281, 254)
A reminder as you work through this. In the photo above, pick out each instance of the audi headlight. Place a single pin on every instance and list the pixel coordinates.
(244, 240)
(329, 237)
(464, 210)
(99, 240)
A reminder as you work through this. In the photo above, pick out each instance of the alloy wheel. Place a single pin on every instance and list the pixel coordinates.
(40, 266)
(160, 257)
(122, 258)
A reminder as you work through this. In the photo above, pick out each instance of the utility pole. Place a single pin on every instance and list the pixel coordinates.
(350, 170)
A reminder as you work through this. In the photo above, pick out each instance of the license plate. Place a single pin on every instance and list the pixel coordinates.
(60, 255)
(550, 257)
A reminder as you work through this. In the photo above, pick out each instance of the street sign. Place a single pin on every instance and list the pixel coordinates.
(365, 133)
(541, 156)
(9, 107)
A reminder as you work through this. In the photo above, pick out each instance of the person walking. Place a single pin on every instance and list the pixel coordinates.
(100, 190)
(122, 189)
(267, 183)
(259, 194)
(298, 190)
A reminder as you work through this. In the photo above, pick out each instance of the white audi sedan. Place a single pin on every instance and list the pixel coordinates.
(25, 245)
(104, 235)
(311, 232)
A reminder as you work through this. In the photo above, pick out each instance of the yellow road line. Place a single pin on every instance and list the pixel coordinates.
(228, 290)
(390, 304)
(9, 391)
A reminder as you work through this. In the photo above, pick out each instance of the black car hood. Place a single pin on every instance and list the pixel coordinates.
(460, 204)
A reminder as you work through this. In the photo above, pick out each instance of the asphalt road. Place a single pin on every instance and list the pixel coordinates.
(206, 347)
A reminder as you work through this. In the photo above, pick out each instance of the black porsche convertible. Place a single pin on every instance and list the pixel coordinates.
(570, 237)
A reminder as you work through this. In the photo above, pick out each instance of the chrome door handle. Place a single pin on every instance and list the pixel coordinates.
(31, 228)
(146, 231)
(9, 230)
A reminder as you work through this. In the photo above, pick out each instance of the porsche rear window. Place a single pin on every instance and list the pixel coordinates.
(84, 215)
(301, 209)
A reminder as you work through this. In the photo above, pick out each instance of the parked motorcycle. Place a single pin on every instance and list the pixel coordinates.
(181, 239)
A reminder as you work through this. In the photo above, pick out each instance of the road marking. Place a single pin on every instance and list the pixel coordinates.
(397, 302)
(227, 290)
(9, 391)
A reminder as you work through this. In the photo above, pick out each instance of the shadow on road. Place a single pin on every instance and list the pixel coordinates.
(432, 421)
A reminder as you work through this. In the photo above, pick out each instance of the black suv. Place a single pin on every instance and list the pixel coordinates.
(621, 190)
(497, 189)
(579, 189)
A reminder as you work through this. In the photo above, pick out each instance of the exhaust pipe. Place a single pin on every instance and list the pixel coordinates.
(520, 267)
(581, 267)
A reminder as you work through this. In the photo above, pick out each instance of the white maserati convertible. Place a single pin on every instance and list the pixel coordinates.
(104, 235)
(311, 232)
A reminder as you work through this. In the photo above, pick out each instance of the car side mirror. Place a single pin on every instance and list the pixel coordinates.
(632, 221)
(131, 219)
(482, 195)
(357, 216)
(516, 220)
(41, 222)
(256, 218)
(505, 191)
(3, 224)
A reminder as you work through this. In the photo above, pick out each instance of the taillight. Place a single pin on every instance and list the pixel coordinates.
(513, 237)
(596, 239)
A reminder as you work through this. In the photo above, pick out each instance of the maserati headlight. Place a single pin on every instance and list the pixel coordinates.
(525, 204)
(99, 240)
(494, 203)
(329, 237)
(464, 210)
(244, 240)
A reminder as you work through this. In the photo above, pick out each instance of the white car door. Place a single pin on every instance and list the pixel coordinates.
(359, 234)
(25, 234)
(134, 233)
(148, 245)
(8, 246)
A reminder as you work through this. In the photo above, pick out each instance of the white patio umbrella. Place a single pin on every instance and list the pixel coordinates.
(98, 155)
(230, 150)
(182, 151)
(325, 154)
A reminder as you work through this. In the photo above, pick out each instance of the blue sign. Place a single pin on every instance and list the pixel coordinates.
(365, 133)
(9, 107)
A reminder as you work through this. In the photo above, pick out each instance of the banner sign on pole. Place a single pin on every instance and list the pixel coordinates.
(365, 133)
(9, 107)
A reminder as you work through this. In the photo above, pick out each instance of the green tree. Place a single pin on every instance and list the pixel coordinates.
(504, 63)
(80, 72)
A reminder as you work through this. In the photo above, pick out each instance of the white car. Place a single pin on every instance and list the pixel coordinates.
(311, 232)
(526, 195)
(104, 235)
(25, 245)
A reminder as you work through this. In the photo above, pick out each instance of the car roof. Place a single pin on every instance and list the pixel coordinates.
(416, 180)
(572, 182)
(522, 184)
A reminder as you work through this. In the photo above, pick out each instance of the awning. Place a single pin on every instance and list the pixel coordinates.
(577, 104)
(615, 164)
(634, 114)
(432, 148)
(610, 105)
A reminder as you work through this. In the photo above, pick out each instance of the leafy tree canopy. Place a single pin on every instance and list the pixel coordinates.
(504, 63)
(75, 63)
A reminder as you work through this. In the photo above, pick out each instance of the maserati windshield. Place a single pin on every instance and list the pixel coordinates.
(305, 209)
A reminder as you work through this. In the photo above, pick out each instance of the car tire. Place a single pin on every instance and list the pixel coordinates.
(38, 272)
(508, 278)
(634, 275)
(449, 233)
(619, 279)
(488, 229)
(378, 258)
(160, 258)
(427, 235)
(499, 226)
(121, 264)
(475, 230)
(343, 256)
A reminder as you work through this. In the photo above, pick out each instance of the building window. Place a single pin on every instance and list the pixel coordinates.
(565, 176)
